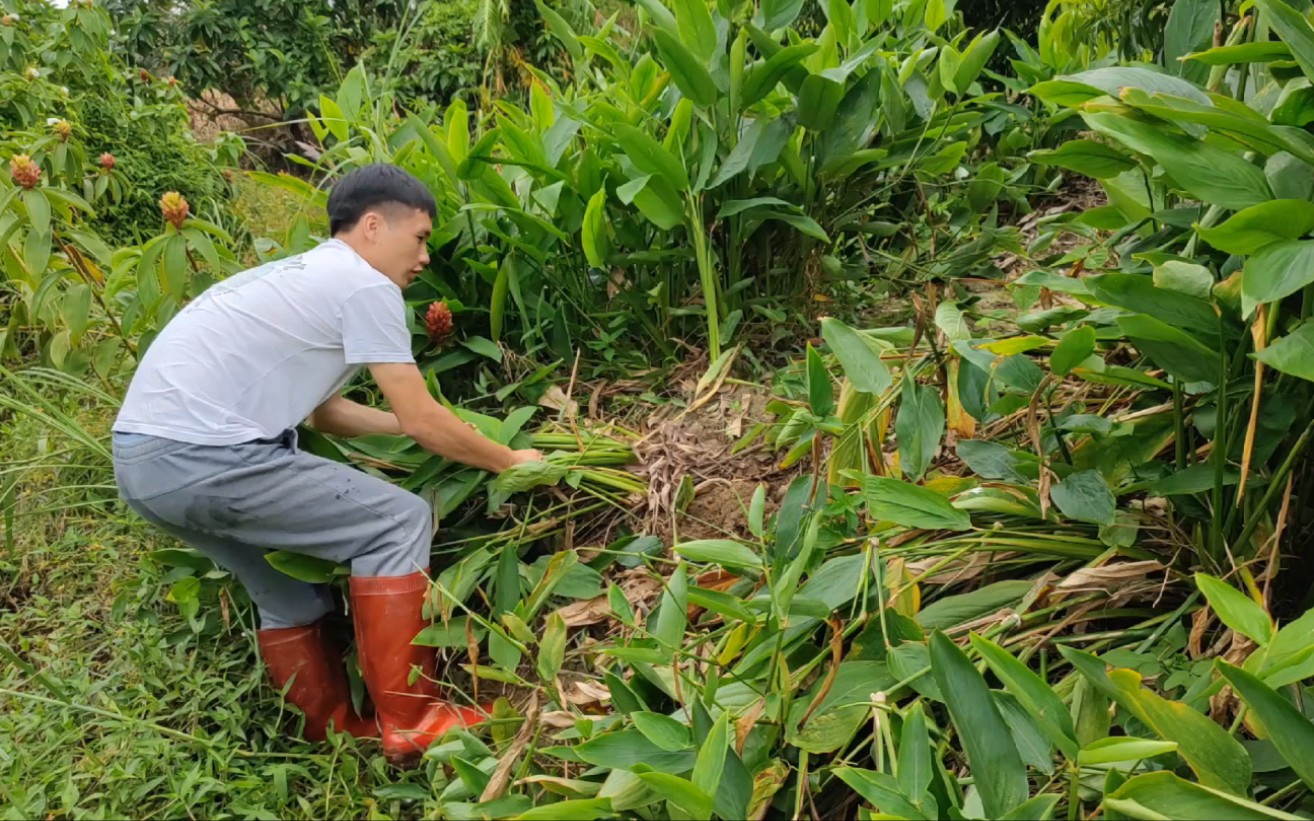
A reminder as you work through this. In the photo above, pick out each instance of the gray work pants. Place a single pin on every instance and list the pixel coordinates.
(235, 503)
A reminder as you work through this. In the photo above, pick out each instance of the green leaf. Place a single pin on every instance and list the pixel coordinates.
(843, 710)
(561, 30)
(1139, 294)
(1294, 29)
(663, 731)
(671, 616)
(1207, 173)
(776, 14)
(998, 772)
(919, 427)
(1195, 479)
(909, 505)
(687, 70)
(710, 763)
(300, 566)
(650, 156)
(1279, 270)
(38, 211)
(1258, 52)
(1184, 278)
(1292, 354)
(484, 347)
(1177, 352)
(1074, 89)
(577, 809)
(1256, 227)
(1161, 795)
(625, 748)
(974, 59)
(1235, 609)
(552, 648)
(1085, 497)
(1217, 758)
(724, 552)
(680, 792)
(765, 75)
(697, 31)
(914, 761)
(1286, 727)
(1094, 159)
(1190, 26)
(75, 308)
(655, 199)
(880, 789)
(1073, 349)
(818, 102)
(593, 233)
(1037, 808)
(36, 251)
(1044, 705)
(991, 460)
(1122, 749)
(821, 393)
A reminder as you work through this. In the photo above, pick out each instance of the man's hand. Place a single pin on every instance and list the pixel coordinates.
(526, 455)
(436, 428)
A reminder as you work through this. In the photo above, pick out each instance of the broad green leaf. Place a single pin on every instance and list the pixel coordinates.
(776, 14)
(626, 748)
(650, 156)
(1122, 749)
(1179, 353)
(880, 789)
(1043, 704)
(844, 709)
(1194, 479)
(681, 792)
(1217, 758)
(1184, 278)
(593, 233)
(710, 763)
(1074, 89)
(1190, 26)
(1235, 609)
(1259, 226)
(1292, 354)
(909, 505)
(818, 102)
(694, 22)
(1094, 159)
(38, 210)
(552, 648)
(857, 355)
(1085, 497)
(302, 567)
(75, 308)
(764, 75)
(1279, 270)
(1037, 808)
(1286, 727)
(914, 762)
(1073, 349)
(663, 731)
(1294, 29)
(1210, 174)
(655, 199)
(997, 771)
(557, 25)
(687, 70)
(821, 392)
(724, 552)
(36, 251)
(671, 614)
(576, 809)
(919, 427)
(974, 59)
(991, 460)
(1162, 795)
(1258, 52)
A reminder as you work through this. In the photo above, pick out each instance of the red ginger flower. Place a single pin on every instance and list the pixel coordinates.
(174, 208)
(438, 321)
(25, 172)
(107, 161)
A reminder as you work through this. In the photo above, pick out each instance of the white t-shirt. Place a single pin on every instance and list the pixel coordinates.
(254, 354)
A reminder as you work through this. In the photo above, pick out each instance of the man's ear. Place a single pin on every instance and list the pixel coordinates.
(371, 223)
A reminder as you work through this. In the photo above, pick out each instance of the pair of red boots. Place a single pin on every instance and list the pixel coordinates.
(387, 614)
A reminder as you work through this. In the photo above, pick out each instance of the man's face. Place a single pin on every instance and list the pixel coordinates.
(398, 242)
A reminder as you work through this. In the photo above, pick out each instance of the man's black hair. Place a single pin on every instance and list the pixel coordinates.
(372, 186)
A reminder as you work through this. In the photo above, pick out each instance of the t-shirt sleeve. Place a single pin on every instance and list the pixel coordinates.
(374, 327)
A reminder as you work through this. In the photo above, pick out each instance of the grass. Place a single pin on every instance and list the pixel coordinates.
(114, 705)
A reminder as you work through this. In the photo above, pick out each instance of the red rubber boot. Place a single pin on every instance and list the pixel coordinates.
(387, 614)
(320, 687)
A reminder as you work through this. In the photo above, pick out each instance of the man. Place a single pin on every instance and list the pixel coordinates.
(205, 449)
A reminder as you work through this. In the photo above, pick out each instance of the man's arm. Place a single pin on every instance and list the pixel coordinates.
(436, 428)
(342, 417)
